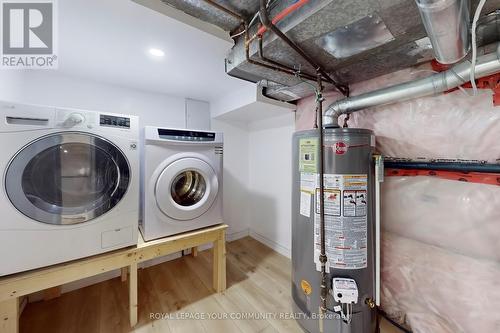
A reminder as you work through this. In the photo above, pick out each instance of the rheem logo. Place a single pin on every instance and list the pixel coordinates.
(340, 148)
(28, 34)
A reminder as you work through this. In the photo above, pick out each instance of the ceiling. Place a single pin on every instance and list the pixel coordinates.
(392, 29)
(108, 41)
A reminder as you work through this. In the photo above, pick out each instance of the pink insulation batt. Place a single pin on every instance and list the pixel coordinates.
(441, 239)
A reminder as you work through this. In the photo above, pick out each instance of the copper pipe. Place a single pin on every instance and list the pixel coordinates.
(321, 169)
(226, 10)
(280, 16)
(269, 25)
(269, 66)
(277, 64)
(284, 13)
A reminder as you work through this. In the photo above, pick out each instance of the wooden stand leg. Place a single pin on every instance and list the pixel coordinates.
(194, 251)
(124, 271)
(219, 263)
(9, 316)
(132, 283)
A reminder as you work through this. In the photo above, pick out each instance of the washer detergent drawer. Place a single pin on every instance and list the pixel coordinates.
(117, 237)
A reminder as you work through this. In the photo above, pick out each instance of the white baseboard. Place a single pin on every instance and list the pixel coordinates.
(237, 235)
(272, 244)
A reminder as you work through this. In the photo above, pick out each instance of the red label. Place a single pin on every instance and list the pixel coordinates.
(340, 148)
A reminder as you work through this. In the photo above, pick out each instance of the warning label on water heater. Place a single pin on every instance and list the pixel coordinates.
(346, 221)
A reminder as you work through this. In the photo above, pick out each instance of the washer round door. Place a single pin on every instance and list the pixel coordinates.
(186, 189)
(67, 178)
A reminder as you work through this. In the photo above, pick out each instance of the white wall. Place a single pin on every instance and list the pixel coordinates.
(197, 114)
(53, 88)
(258, 149)
(235, 177)
(233, 101)
(270, 181)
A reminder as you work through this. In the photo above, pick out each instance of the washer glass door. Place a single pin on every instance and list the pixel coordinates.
(186, 189)
(67, 178)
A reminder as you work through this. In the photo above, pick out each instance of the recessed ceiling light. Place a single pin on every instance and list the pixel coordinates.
(157, 52)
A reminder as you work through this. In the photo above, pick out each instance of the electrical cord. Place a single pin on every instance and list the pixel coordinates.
(270, 4)
(474, 46)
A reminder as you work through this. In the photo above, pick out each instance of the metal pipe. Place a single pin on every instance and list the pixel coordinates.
(272, 65)
(262, 64)
(379, 178)
(447, 24)
(266, 21)
(277, 64)
(281, 15)
(322, 257)
(457, 75)
(226, 10)
(444, 166)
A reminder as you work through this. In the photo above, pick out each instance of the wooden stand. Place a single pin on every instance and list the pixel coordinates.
(15, 286)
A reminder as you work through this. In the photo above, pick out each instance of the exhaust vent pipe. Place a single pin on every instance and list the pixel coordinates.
(437, 83)
(447, 23)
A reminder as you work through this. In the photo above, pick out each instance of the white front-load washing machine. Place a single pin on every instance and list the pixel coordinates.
(70, 185)
(181, 179)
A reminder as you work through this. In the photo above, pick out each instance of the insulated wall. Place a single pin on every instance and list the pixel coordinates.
(440, 249)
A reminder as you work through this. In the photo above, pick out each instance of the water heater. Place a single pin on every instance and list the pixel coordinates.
(349, 215)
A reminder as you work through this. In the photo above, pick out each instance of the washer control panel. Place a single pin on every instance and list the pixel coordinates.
(185, 135)
(114, 121)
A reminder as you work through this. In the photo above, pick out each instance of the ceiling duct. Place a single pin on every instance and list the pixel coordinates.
(352, 40)
(447, 23)
(457, 75)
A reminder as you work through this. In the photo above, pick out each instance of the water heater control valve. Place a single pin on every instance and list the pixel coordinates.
(345, 290)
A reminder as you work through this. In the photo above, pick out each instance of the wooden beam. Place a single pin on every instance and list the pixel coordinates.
(51, 293)
(9, 316)
(194, 251)
(23, 302)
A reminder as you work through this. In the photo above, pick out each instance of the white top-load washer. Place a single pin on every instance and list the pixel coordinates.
(70, 185)
(182, 181)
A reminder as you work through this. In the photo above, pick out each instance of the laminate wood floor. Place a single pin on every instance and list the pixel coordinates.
(174, 295)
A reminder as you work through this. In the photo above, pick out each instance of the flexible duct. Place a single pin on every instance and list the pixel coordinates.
(457, 75)
(447, 23)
